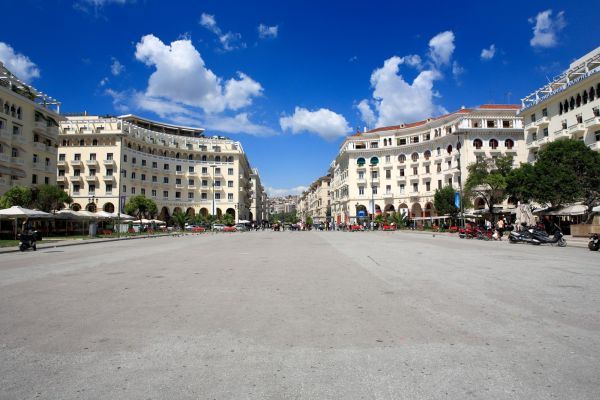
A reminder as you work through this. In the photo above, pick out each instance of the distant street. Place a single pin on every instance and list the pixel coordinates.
(300, 315)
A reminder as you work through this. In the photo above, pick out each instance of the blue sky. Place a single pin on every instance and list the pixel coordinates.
(290, 79)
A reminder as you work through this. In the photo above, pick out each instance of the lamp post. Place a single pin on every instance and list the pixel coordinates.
(460, 191)
(372, 197)
(213, 190)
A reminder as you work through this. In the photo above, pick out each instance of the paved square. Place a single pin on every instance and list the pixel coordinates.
(300, 315)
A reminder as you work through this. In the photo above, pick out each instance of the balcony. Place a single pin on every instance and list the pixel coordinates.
(388, 195)
(592, 122)
(39, 146)
(191, 187)
(17, 160)
(5, 158)
(562, 133)
(61, 163)
(40, 126)
(5, 134)
(178, 186)
(110, 178)
(61, 179)
(76, 163)
(52, 130)
(19, 138)
(110, 162)
(178, 172)
(577, 129)
(39, 166)
(531, 127)
(75, 178)
(542, 122)
(91, 178)
(91, 163)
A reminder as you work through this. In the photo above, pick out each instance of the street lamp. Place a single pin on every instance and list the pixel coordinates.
(460, 191)
(93, 200)
(213, 166)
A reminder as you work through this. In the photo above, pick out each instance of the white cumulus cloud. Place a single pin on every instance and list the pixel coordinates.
(278, 192)
(366, 113)
(182, 76)
(17, 63)
(546, 28)
(325, 123)
(116, 67)
(266, 32)
(229, 40)
(441, 48)
(488, 54)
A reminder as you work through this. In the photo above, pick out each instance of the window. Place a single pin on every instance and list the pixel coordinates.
(505, 123)
(165, 179)
(415, 187)
(374, 174)
(230, 196)
(428, 186)
(230, 184)
(545, 132)
(16, 130)
(91, 188)
(597, 136)
(34, 179)
(77, 157)
(218, 183)
(402, 172)
(427, 169)
(230, 171)
(387, 159)
(154, 179)
(388, 173)
(125, 157)
(544, 112)
(204, 170)
(439, 183)
(401, 142)
(203, 196)
(402, 188)
(388, 189)
(439, 151)
(190, 195)
(76, 172)
(361, 190)
(361, 175)
(92, 156)
(35, 158)
(153, 192)
(427, 154)
(178, 181)
(217, 196)
(579, 119)
(438, 167)
(165, 193)
(61, 157)
(132, 190)
(532, 117)
(177, 195)
(374, 145)
(143, 191)
(414, 156)
(143, 177)
(491, 123)
(166, 167)
(61, 172)
(178, 168)
(92, 171)
(191, 182)
(154, 164)
(217, 171)
(401, 158)
(414, 139)
(133, 176)
(109, 188)
(204, 182)
(509, 143)
(478, 143)
(449, 163)
(415, 170)
(191, 169)
(143, 163)
(374, 188)
(76, 188)
(493, 143)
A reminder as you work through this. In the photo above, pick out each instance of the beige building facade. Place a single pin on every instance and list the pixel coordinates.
(398, 168)
(28, 134)
(259, 198)
(567, 107)
(315, 202)
(104, 161)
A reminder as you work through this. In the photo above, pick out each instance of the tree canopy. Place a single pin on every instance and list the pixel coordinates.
(443, 201)
(49, 198)
(141, 206)
(17, 196)
(487, 180)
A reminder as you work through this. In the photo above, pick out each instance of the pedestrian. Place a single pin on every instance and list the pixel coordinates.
(500, 225)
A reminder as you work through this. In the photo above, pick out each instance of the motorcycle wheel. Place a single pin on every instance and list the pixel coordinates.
(561, 242)
(512, 240)
(22, 247)
(593, 247)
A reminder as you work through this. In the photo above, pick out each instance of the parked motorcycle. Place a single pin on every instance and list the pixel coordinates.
(594, 244)
(27, 241)
(536, 236)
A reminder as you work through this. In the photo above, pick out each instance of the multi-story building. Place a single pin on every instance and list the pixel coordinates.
(258, 194)
(103, 161)
(315, 202)
(398, 168)
(282, 204)
(28, 134)
(567, 107)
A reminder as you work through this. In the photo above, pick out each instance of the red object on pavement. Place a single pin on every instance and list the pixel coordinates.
(389, 228)
(355, 228)
(230, 229)
(198, 229)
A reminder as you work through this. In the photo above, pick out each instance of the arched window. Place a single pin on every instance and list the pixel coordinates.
(95, 142)
(374, 160)
(592, 94)
(585, 97)
(427, 154)
(560, 108)
(401, 158)
(360, 161)
(493, 143)
(578, 101)
(139, 147)
(19, 112)
(204, 158)
(477, 143)
(128, 145)
(509, 143)
(7, 107)
(566, 106)
(571, 103)
(81, 142)
(190, 157)
(449, 149)
(414, 156)
(218, 159)
(177, 155)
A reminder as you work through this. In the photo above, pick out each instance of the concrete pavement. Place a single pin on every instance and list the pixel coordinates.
(302, 315)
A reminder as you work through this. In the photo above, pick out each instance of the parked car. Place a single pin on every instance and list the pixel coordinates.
(241, 227)
(198, 229)
(218, 227)
(229, 229)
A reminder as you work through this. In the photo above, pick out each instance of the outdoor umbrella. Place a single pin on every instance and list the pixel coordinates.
(16, 212)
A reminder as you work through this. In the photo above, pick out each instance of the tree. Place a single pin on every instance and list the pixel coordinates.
(521, 183)
(180, 218)
(309, 221)
(567, 171)
(17, 196)
(443, 201)
(50, 198)
(487, 180)
(227, 219)
(140, 206)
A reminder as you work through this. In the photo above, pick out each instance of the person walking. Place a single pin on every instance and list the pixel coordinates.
(500, 225)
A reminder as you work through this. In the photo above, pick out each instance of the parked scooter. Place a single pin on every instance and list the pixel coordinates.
(594, 244)
(27, 241)
(537, 236)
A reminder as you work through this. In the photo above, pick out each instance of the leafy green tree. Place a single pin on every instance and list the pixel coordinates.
(180, 218)
(227, 219)
(522, 183)
(309, 221)
(567, 171)
(140, 206)
(443, 201)
(17, 196)
(487, 180)
(50, 198)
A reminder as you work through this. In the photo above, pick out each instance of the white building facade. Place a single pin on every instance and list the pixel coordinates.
(567, 107)
(398, 168)
(104, 161)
